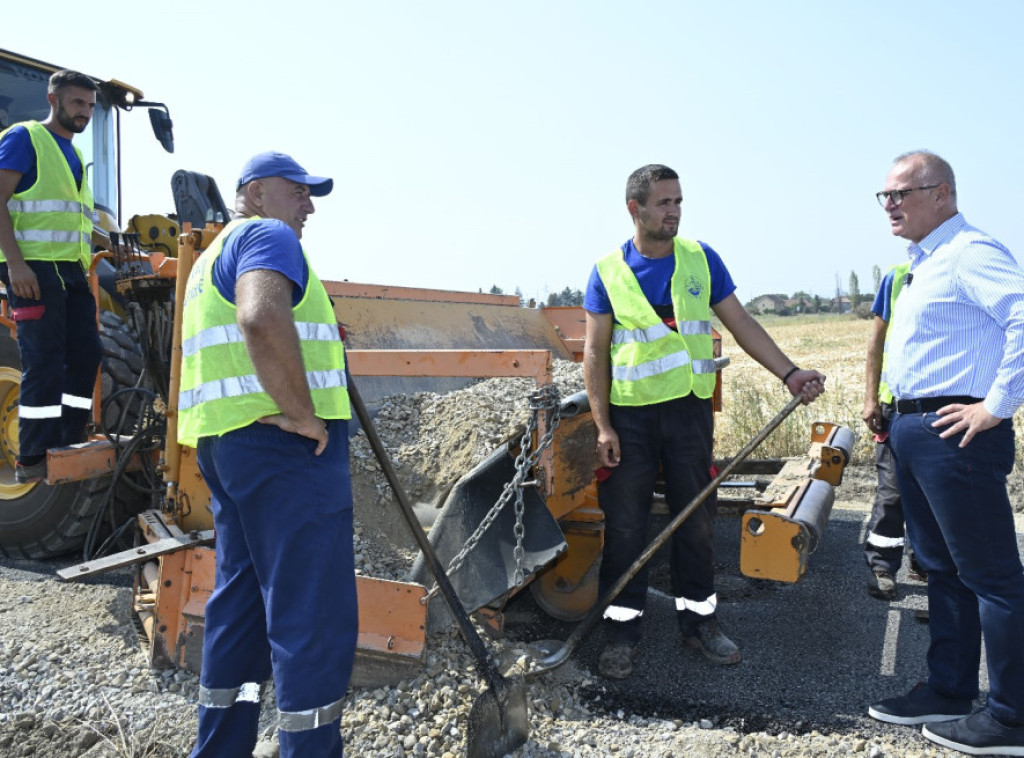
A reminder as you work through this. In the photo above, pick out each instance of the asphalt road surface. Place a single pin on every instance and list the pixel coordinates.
(815, 653)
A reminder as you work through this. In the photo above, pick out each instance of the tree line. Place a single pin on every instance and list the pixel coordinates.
(781, 304)
(567, 296)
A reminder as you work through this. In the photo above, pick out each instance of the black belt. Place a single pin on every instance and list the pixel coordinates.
(932, 404)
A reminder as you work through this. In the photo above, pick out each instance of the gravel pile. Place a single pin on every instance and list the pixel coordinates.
(74, 682)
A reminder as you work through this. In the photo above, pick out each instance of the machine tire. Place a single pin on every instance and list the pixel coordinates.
(122, 365)
(38, 521)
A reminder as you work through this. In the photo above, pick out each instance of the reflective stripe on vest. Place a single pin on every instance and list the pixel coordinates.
(651, 362)
(237, 386)
(52, 219)
(46, 206)
(899, 272)
(659, 330)
(657, 367)
(220, 390)
(50, 237)
(228, 333)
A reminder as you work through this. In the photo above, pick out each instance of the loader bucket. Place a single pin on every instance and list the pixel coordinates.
(489, 570)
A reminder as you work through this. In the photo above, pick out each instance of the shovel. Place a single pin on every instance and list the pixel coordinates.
(499, 720)
(561, 655)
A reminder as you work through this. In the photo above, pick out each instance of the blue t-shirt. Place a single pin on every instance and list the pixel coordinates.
(655, 278)
(267, 244)
(18, 154)
(884, 297)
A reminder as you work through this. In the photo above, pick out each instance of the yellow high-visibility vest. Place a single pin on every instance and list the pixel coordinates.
(53, 218)
(899, 273)
(219, 387)
(650, 362)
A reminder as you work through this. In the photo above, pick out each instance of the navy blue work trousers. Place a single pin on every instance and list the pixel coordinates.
(673, 438)
(285, 594)
(960, 522)
(60, 353)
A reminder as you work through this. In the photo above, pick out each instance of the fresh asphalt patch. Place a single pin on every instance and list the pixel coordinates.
(815, 653)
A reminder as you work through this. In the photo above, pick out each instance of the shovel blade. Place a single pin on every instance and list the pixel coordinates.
(499, 721)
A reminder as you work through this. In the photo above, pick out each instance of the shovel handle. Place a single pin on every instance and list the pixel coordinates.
(476, 645)
(562, 655)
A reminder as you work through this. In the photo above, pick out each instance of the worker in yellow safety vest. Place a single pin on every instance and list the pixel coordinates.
(650, 375)
(46, 238)
(263, 398)
(886, 538)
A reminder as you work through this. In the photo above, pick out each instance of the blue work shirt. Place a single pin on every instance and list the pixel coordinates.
(883, 298)
(266, 244)
(655, 278)
(18, 154)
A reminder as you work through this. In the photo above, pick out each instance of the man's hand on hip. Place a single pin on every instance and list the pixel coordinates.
(969, 419)
(313, 427)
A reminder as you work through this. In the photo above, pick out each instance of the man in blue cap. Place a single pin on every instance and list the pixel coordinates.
(263, 399)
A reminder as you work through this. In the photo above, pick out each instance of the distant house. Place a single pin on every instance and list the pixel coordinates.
(841, 304)
(767, 304)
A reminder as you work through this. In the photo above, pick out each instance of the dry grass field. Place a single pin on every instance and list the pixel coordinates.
(752, 396)
(832, 344)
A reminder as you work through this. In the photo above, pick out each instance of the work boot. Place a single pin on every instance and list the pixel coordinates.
(707, 636)
(882, 585)
(917, 574)
(616, 661)
(28, 473)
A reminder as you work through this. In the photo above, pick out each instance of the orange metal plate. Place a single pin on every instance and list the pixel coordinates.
(392, 618)
(79, 462)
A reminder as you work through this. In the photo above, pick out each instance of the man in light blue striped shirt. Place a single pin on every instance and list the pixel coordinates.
(956, 369)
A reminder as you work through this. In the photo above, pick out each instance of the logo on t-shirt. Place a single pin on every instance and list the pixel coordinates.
(694, 286)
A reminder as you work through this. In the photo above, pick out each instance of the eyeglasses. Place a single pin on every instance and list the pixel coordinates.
(897, 195)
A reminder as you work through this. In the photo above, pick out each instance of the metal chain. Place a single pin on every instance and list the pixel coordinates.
(546, 399)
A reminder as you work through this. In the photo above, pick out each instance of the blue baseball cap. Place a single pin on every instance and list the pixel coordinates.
(278, 164)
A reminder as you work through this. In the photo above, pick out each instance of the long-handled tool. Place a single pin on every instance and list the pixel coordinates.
(561, 655)
(499, 720)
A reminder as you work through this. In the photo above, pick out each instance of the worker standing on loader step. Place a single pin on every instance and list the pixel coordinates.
(46, 235)
(650, 375)
(263, 397)
(886, 540)
(955, 367)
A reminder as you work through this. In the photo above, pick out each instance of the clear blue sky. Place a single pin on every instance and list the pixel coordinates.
(477, 143)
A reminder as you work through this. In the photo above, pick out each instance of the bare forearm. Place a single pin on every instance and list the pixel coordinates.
(265, 318)
(873, 366)
(8, 244)
(756, 343)
(597, 377)
(759, 345)
(273, 346)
